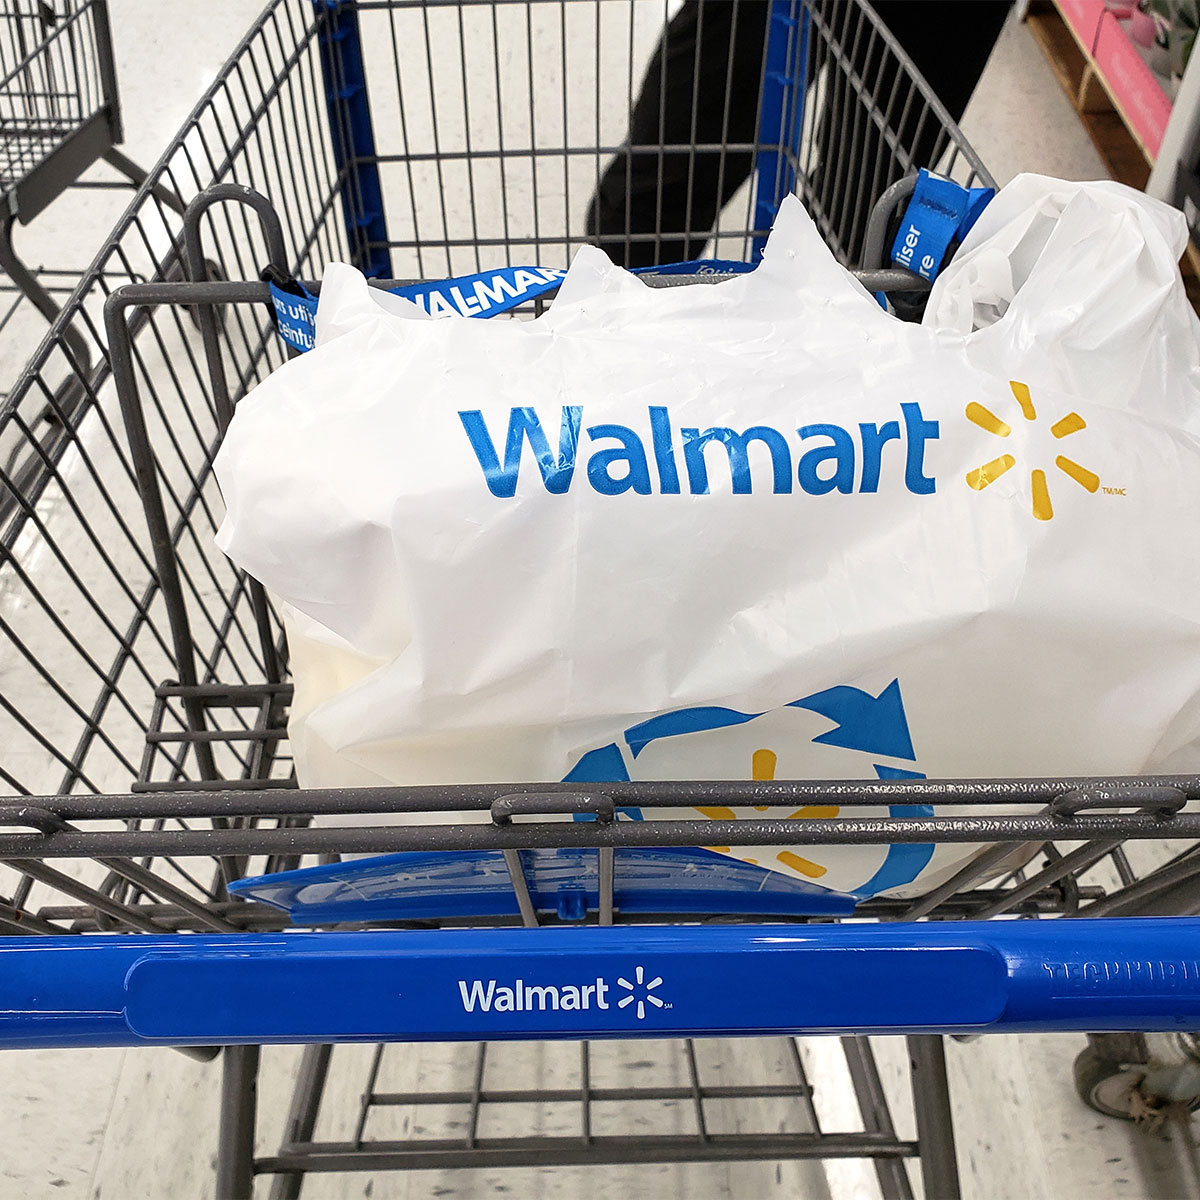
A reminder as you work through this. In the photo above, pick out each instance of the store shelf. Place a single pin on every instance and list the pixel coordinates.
(1121, 102)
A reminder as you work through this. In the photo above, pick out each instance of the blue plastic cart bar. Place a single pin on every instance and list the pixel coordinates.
(593, 982)
(781, 113)
(353, 137)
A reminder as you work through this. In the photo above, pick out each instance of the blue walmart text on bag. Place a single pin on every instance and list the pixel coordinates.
(830, 457)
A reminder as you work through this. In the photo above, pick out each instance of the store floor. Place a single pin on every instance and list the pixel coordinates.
(131, 1124)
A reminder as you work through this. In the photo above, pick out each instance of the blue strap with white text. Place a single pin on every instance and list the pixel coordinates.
(940, 212)
(482, 295)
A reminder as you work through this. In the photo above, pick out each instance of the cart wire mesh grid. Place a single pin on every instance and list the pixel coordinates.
(50, 82)
(144, 689)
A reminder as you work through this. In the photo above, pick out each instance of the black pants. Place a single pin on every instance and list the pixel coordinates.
(702, 89)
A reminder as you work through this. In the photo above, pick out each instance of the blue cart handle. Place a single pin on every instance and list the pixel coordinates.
(589, 982)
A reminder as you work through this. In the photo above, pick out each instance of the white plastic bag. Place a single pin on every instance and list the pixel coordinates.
(754, 528)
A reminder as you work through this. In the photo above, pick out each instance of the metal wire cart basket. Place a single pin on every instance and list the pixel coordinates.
(145, 686)
(59, 114)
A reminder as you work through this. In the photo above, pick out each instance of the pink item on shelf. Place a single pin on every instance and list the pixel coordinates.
(1141, 27)
(1132, 84)
(1084, 17)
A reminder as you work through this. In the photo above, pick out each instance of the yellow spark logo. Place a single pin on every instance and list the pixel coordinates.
(991, 471)
(762, 767)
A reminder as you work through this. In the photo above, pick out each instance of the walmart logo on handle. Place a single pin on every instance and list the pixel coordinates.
(594, 995)
(641, 992)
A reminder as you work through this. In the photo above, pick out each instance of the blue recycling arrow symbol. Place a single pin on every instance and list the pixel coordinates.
(874, 725)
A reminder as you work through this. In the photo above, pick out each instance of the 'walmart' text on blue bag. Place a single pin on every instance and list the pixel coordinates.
(828, 458)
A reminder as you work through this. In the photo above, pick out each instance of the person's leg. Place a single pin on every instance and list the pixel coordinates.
(712, 53)
(949, 43)
(852, 162)
(701, 88)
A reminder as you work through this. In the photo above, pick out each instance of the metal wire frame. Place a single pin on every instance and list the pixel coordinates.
(52, 81)
(876, 123)
(230, 637)
(526, 104)
(260, 123)
(84, 640)
(226, 819)
(713, 1108)
(1094, 816)
(79, 595)
(1049, 815)
(59, 114)
(706, 1142)
(1056, 809)
(62, 456)
(80, 609)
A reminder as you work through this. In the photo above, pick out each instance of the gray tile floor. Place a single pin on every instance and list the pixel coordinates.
(141, 1123)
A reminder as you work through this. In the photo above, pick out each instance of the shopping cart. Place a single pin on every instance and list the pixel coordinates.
(392, 134)
(59, 114)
